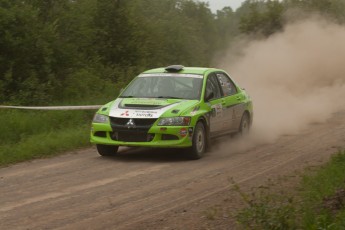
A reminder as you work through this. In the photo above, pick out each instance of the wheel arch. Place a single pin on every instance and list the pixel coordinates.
(250, 116)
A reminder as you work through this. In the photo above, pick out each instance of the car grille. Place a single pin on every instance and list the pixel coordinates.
(131, 136)
(134, 133)
(138, 121)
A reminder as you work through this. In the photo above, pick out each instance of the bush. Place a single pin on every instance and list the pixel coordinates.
(318, 203)
(31, 134)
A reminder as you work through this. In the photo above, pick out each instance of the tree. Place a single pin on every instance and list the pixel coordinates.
(24, 59)
(330, 8)
(114, 42)
(263, 18)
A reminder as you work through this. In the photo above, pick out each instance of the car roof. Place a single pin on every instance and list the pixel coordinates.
(184, 70)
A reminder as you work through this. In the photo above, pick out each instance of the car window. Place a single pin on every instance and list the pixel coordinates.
(212, 85)
(226, 84)
(171, 86)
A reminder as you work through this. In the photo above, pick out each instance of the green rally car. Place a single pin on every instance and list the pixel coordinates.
(173, 107)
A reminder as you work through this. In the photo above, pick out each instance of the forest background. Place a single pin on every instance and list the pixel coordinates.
(83, 51)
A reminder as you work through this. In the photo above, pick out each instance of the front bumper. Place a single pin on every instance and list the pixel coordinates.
(156, 136)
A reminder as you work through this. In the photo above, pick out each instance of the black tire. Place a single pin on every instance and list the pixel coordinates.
(107, 150)
(199, 142)
(245, 125)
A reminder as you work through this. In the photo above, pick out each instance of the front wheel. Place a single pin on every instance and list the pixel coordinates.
(199, 142)
(107, 150)
(245, 125)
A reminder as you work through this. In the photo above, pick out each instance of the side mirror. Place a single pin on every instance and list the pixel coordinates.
(209, 96)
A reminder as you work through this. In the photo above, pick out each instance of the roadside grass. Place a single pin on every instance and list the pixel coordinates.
(318, 202)
(212, 213)
(27, 135)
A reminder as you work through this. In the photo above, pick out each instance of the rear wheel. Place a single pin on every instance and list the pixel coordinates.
(199, 142)
(245, 124)
(107, 150)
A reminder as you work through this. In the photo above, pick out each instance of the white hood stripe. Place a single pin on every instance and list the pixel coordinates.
(115, 111)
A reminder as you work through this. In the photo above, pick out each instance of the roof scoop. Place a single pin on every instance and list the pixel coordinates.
(174, 68)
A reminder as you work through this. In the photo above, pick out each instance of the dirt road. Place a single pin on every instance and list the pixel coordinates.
(150, 188)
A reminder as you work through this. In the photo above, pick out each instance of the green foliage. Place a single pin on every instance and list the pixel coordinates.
(30, 134)
(19, 124)
(173, 32)
(318, 204)
(324, 195)
(114, 33)
(85, 80)
(44, 144)
(263, 18)
(267, 210)
(71, 52)
(54, 51)
(226, 26)
(334, 9)
(212, 213)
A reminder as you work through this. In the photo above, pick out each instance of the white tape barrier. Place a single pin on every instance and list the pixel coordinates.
(82, 107)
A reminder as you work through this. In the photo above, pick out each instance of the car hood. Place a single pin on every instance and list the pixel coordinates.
(149, 107)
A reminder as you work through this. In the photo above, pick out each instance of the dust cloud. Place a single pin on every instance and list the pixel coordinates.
(295, 77)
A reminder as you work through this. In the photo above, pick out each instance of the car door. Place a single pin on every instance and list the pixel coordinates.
(213, 97)
(232, 105)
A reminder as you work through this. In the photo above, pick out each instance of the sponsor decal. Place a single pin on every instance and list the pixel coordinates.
(144, 113)
(115, 111)
(145, 101)
(125, 114)
(217, 110)
(183, 132)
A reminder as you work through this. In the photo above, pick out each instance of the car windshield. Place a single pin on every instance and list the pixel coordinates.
(179, 86)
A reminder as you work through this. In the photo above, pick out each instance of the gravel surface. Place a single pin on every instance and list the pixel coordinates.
(153, 188)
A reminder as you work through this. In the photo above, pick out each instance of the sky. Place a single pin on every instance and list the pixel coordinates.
(219, 4)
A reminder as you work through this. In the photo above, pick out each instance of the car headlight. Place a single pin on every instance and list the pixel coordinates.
(99, 118)
(174, 121)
